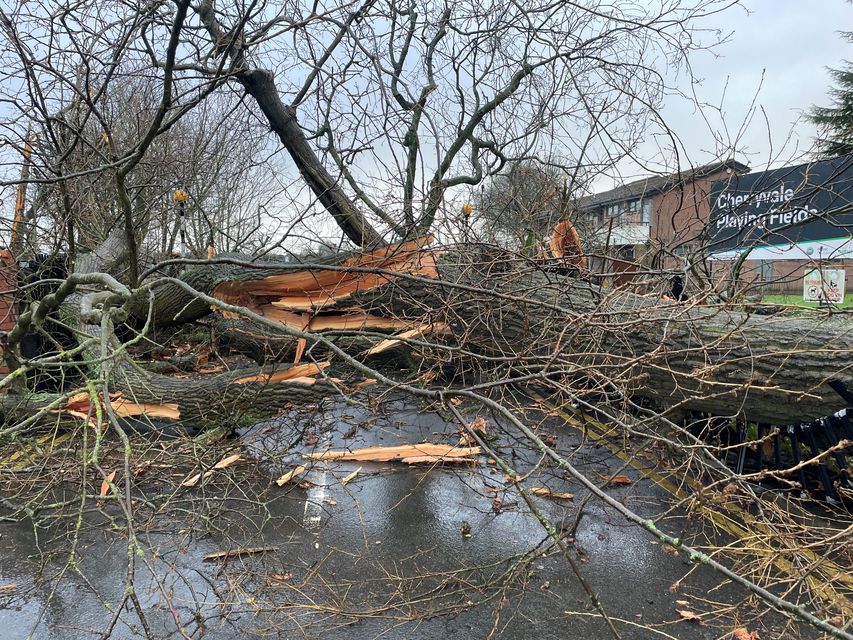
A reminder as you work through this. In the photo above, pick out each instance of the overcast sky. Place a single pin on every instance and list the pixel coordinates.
(777, 55)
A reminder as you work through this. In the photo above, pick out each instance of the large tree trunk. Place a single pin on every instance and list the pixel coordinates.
(774, 369)
(505, 314)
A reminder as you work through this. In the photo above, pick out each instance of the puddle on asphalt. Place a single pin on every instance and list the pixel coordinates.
(384, 556)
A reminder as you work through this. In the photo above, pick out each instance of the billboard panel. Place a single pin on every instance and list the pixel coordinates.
(797, 212)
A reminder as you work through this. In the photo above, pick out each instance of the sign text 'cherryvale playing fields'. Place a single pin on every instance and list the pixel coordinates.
(797, 212)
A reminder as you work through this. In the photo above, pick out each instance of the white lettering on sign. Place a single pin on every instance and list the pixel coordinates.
(774, 217)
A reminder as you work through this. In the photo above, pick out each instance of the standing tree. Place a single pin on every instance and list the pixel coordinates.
(836, 121)
(522, 205)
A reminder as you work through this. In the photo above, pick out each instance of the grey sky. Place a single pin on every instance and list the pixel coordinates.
(788, 42)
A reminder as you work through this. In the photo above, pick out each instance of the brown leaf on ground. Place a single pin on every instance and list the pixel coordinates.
(741, 633)
(620, 480)
(105, 484)
(478, 424)
(689, 616)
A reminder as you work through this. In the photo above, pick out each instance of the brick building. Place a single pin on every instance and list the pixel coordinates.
(651, 223)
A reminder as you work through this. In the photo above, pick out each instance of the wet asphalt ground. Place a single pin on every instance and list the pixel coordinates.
(447, 551)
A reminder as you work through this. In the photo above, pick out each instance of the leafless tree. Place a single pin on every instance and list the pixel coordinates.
(387, 112)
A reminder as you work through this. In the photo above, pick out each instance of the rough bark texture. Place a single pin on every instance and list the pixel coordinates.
(260, 85)
(226, 399)
(772, 369)
(767, 368)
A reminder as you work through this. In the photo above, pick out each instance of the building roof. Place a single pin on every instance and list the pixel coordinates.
(656, 184)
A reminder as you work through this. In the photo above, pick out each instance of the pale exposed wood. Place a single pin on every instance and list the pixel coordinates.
(423, 330)
(436, 459)
(290, 475)
(400, 452)
(337, 322)
(125, 409)
(78, 406)
(383, 258)
(350, 477)
(346, 285)
(299, 372)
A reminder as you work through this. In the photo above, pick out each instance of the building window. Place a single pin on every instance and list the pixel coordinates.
(646, 212)
(627, 212)
(625, 252)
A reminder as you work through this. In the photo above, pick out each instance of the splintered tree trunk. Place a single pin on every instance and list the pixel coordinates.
(496, 313)
(774, 369)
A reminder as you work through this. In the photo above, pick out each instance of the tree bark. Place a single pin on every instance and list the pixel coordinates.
(235, 398)
(260, 85)
(726, 361)
(512, 315)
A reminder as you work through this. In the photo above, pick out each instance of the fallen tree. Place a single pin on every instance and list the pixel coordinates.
(92, 303)
(514, 316)
(522, 316)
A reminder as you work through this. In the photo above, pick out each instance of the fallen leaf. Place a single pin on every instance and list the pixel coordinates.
(282, 577)
(618, 480)
(545, 491)
(142, 468)
(5, 588)
(350, 477)
(105, 484)
(290, 475)
(227, 462)
(330, 501)
(689, 616)
(742, 633)
(478, 424)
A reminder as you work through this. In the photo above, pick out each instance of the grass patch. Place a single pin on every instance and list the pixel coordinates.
(797, 300)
